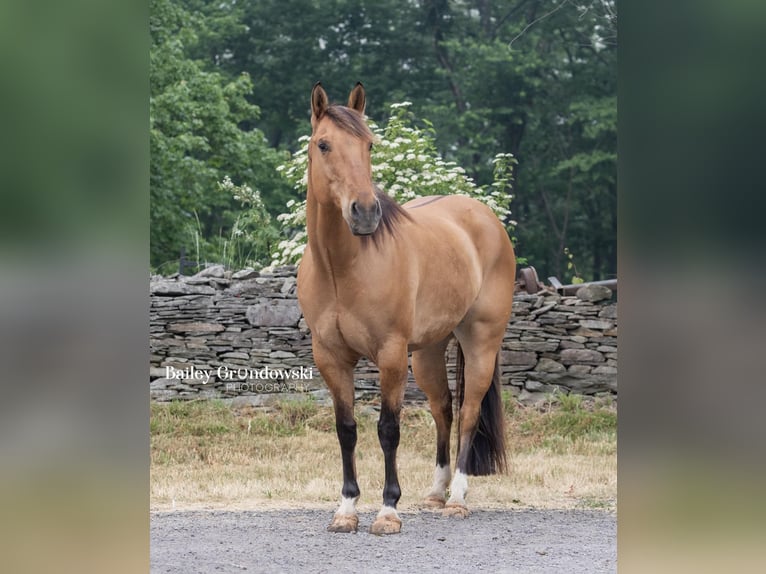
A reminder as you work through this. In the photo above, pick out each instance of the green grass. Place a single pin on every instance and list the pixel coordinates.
(289, 418)
(194, 418)
(509, 402)
(572, 424)
(204, 452)
(214, 417)
(295, 414)
(568, 419)
(592, 503)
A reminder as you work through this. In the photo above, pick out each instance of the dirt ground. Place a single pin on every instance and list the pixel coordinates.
(289, 541)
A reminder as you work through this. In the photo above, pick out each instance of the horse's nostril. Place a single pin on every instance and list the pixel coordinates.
(378, 208)
(354, 208)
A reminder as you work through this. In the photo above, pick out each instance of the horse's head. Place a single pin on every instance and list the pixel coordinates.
(340, 172)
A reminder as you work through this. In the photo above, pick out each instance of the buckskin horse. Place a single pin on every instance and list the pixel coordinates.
(380, 280)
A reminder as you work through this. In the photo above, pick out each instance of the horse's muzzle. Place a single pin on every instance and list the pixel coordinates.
(364, 220)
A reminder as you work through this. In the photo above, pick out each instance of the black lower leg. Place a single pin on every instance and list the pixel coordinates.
(388, 433)
(346, 427)
(465, 450)
(443, 435)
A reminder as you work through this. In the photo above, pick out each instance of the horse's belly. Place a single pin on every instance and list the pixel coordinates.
(432, 324)
(441, 304)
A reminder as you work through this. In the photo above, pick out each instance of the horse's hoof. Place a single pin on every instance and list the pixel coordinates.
(344, 523)
(388, 524)
(456, 510)
(434, 502)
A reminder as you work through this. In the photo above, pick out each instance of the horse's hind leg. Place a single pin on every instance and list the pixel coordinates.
(480, 342)
(430, 370)
(339, 377)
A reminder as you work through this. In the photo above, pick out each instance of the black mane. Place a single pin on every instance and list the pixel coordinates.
(391, 214)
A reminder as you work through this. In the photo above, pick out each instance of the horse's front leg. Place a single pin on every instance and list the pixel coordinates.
(339, 377)
(393, 379)
(345, 519)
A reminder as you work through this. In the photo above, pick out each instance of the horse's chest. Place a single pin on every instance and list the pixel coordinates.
(351, 316)
(339, 328)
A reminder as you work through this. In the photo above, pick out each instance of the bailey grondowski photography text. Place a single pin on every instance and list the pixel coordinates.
(263, 379)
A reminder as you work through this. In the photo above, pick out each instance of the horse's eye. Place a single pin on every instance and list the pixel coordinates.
(323, 146)
(370, 146)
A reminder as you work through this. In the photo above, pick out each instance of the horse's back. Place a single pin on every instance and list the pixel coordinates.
(467, 212)
(465, 222)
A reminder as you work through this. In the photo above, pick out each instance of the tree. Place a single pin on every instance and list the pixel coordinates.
(196, 142)
(536, 78)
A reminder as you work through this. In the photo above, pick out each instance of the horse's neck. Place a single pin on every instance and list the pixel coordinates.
(333, 246)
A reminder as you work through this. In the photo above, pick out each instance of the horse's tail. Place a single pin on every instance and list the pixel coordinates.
(487, 454)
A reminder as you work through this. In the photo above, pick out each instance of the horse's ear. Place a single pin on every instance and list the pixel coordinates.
(356, 99)
(319, 102)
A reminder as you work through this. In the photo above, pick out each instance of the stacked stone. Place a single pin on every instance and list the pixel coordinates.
(232, 321)
(250, 320)
(562, 344)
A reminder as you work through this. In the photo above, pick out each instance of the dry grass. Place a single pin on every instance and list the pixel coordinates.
(204, 455)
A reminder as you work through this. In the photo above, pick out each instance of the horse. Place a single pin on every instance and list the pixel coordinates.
(380, 280)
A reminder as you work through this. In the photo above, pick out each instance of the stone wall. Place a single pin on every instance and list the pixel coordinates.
(241, 336)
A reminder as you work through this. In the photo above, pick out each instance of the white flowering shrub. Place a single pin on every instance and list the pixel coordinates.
(406, 165)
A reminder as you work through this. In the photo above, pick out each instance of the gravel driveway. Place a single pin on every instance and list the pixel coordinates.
(289, 541)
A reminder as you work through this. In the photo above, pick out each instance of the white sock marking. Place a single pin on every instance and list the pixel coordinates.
(347, 506)
(458, 488)
(441, 481)
(386, 510)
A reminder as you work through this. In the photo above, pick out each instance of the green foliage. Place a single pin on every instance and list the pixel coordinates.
(250, 236)
(568, 148)
(196, 142)
(527, 77)
(572, 267)
(407, 165)
(287, 46)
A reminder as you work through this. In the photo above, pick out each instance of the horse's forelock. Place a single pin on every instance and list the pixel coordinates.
(349, 120)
